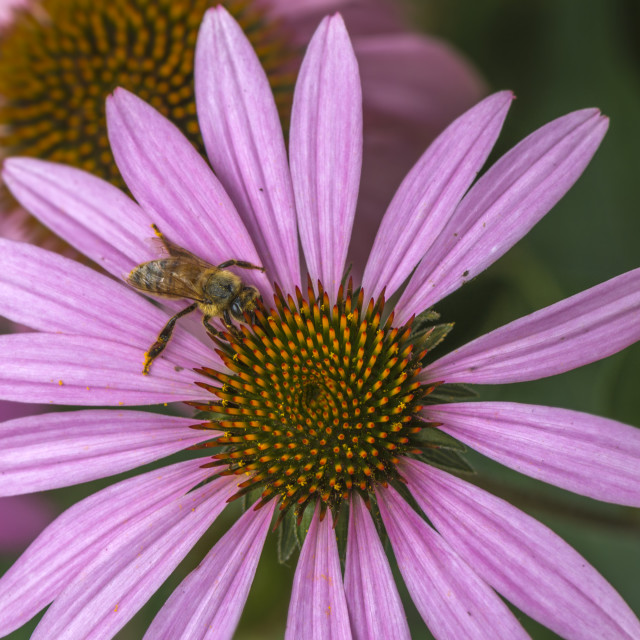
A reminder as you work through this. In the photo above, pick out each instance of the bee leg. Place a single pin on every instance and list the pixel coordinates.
(158, 346)
(233, 330)
(159, 234)
(211, 330)
(239, 263)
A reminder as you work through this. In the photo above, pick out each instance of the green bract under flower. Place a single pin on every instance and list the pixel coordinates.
(59, 59)
(320, 400)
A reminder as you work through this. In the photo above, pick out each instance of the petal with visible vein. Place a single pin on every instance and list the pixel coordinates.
(89, 213)
(586, 454)
(89, 371)
(318, 608)
(326, 150)
(509, 199)
(67, 545)
(209, 602)
(174, 184)
(586, 327)
(64, 448)
(429, 195)
(368, 582)
(452, 600)
(521, 558)
(123, 575)
(243, 137)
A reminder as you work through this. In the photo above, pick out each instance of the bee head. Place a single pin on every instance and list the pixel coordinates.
(245, 302)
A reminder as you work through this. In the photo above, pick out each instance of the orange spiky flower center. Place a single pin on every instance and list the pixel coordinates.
(320, 400)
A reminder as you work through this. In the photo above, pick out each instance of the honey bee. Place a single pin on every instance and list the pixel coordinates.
(216, 292)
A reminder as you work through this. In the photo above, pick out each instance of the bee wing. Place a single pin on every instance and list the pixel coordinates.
(165, 247)
(174, 277)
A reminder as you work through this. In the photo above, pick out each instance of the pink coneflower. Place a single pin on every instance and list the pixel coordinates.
(329, 405)
(60, 59)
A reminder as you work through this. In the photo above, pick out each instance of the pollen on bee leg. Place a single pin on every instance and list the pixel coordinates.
(147, 363)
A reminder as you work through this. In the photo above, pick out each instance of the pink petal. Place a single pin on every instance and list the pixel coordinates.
(452, 600)
(584, 328)
(209, 601)
(174, 184)
(88, 371)
(49, 292)
(122, 576)
(318, 608)
(23, 518)
(89, 213)
(326, 151)
(428, 196)
(60, 449)
(368, 583)
(521, 558)
(242, 133)
(64, 548)
(586, 454)
(513, 195)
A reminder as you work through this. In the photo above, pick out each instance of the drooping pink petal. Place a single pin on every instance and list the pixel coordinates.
(60, 449)
(326, 151)
(413, 80)
(49, 292)
(14, 225)
(586, 327)
(23, 518)
(66, 547)
(121, 577)
(243, 137)
(89, 213)
(452, 600)
(368, 582)
(89, 371)
(586, 454)
(428, 196)
(209, 601)
(521, 558)
(318, 608)
(174, 184)
(513, 195)
(362, 16)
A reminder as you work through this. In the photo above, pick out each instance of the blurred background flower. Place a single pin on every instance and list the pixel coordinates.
(59, 59)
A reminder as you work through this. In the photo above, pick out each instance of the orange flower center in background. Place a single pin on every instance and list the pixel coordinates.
(59, 59)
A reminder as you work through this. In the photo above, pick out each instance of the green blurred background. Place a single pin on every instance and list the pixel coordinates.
(556, 56)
